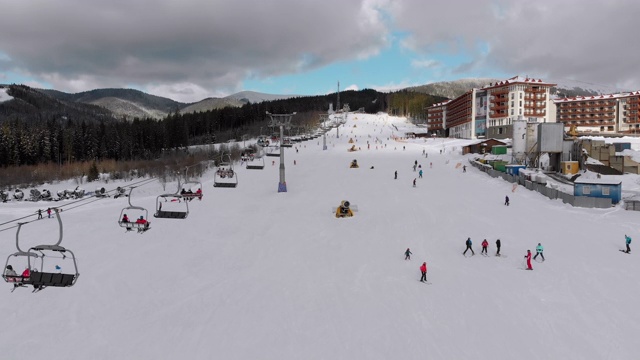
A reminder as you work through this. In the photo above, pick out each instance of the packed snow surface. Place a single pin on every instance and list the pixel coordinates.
(4, 96)
(257, 274)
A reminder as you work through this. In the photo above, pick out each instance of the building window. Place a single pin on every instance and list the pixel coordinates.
(512, 94)
(511, 111)
(586, 189)
(512, 104)
(520, 95)
(605, 190)
(520, 111)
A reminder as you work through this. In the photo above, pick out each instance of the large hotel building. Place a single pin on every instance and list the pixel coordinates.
(615, 113)
(489, 111)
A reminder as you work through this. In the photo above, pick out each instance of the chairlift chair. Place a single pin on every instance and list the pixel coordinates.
(137, 212)
(178, 207)
(187, 190)
(256, 163)
(40, 276)
(224, 175)
(272, 151)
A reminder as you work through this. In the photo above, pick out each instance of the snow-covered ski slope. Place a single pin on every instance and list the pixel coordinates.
(257, 274)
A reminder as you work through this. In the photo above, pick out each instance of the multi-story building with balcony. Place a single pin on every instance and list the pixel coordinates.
(613, 113)
(489, 112)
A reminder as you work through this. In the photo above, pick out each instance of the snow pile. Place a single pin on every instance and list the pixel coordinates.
(256, 274)
(4, 96)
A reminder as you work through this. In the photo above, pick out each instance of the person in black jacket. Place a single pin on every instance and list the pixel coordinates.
(468, 243)
(407, 254)
(498, 246)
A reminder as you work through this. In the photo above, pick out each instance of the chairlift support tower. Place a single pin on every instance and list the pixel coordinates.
(323, 119)
(283, 121)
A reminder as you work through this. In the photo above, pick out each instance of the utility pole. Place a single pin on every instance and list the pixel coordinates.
(323, 118)
(281, 120)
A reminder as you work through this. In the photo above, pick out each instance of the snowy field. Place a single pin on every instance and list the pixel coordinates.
(4, 96)
(257, 274)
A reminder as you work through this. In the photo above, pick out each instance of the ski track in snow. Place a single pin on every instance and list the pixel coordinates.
(254, 274)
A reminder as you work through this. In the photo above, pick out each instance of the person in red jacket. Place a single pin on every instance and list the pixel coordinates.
(423, 269)
(528, 257)
(485, 245)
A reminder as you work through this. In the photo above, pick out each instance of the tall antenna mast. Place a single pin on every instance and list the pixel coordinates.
(338, 104)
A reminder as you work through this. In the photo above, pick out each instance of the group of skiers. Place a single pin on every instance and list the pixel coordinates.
(485, 247)
(423, 267)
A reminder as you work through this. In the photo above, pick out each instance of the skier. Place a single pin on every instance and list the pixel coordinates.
(11, 275)
(528, 257)
(468, 243)
(423, 269)
(430, 165)
(49, 212)
(407, 254)
(39, 214)
(627, 240)
(539, 250)
(464, 168)
(395, 176)
(506, 200)
(420, 174)
(498, 246)
(414, 182)
(485, 245)
(414, 167)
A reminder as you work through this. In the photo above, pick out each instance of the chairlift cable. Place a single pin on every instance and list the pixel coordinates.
(135, 184)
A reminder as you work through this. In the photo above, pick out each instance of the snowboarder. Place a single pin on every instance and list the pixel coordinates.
(539, 250)
(528, 257)
(498, 246)
(506, 200)
(39, 214)
(464, 168)
(627, 241)
(423, 151)
(468, 243)
(407, 254)
(414, 182)
(485, 245)
(395, 176)
(420, 174)
(423, 269)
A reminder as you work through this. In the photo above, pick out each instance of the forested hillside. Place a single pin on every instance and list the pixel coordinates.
(36, 128)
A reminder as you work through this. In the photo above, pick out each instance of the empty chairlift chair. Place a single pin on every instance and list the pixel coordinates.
(171, 206)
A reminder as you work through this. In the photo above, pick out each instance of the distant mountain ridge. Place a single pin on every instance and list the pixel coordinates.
(130, 103)
(127, 103)
(27, 103)
(564, 88)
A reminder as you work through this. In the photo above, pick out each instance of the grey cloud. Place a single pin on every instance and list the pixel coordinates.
(214, 44)
(590, 41)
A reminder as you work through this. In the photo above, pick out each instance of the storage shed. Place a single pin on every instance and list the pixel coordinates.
(599, 188)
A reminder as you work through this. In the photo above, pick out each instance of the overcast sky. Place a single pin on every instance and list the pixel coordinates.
(191, 49)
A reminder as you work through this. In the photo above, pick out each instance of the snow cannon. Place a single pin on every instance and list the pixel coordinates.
(344, 210)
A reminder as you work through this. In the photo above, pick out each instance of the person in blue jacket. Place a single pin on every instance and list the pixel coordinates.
(539, 250)
(468, 243)
(627, 240)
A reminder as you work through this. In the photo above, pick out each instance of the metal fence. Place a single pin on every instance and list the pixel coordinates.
(577, 201)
